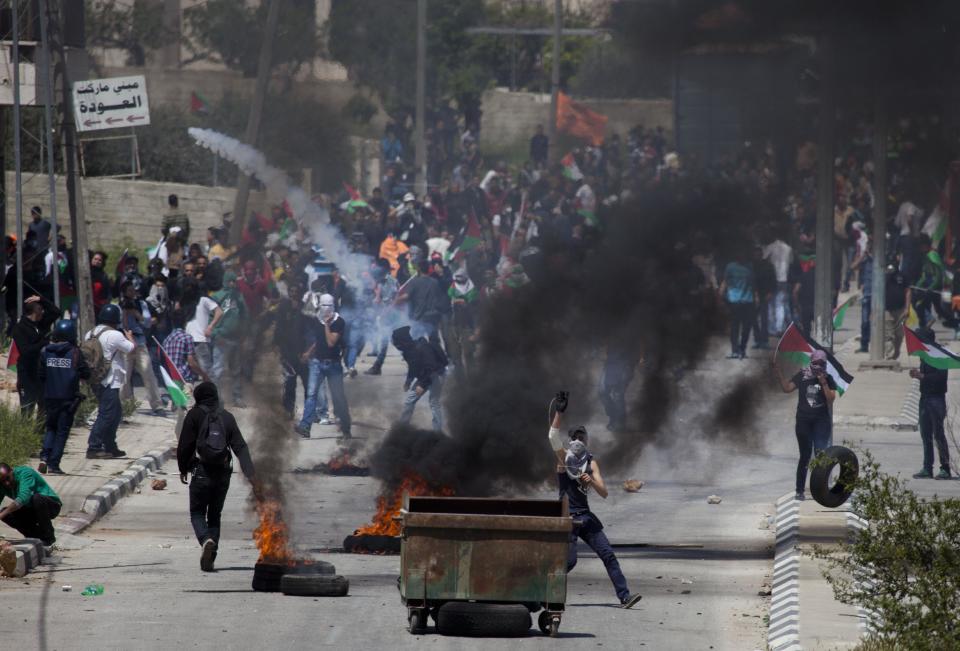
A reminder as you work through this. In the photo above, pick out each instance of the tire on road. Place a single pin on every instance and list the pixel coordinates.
(314, 585)
(483, 620)
(820, 488)
(266, 576)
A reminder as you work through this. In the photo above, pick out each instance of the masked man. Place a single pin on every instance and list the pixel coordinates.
(578, 473)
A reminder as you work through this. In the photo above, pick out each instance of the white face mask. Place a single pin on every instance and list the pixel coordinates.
(327, 307)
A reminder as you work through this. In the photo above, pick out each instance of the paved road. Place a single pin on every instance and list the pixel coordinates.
(699, 566)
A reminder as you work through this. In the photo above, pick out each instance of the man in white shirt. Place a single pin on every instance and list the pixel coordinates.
(200, 328)
(780, 255)
(102, 443)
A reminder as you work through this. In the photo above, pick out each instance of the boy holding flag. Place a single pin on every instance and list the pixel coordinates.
(934, 363)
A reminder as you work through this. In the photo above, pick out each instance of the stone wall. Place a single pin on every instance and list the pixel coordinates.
(510, 118)
(118, 210)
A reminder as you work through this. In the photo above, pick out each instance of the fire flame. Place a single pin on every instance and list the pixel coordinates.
(340, 461)
(389, 503)
(271, 535)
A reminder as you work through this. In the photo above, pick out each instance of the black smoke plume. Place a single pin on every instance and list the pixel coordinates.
(636, 294)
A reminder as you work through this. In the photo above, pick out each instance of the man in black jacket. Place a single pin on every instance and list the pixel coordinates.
(61, 369)
(30, 336)
(211, 481)
(426, 366)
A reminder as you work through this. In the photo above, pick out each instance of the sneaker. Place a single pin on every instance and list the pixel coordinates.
(206, 556)
(98, 454)
(159, 411)
(943, 474)
(55, 471)
(923, 474)
(630, 601)
(327, 421)
(352, 371)
(799, 496)
(862, 349)
(42, 468)
(373, 370)
(114, 454)
(304, 433)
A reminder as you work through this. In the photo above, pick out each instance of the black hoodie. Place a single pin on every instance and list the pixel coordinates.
(206, 396)
(423, 358)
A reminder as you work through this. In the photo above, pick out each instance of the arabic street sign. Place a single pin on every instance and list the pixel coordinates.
(110, 103)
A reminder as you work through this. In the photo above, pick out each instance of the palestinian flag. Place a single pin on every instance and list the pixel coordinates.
(807, 261)
(13, 357)
(933, 354)
(352, 191)
(797, 347)
(199, 104)
(470, 238)
(840, 312)
(570, 169)
(172, 378)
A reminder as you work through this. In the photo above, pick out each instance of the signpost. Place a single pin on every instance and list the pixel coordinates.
(110, 103)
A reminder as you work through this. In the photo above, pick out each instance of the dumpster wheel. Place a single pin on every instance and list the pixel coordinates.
(549, 623)
(417, 619)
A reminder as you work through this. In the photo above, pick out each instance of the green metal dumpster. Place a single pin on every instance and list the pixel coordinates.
(487, 550)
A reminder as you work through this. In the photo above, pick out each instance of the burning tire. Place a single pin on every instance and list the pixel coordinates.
(267, 576)
(483, 620)
(314, 585)
(820, 488)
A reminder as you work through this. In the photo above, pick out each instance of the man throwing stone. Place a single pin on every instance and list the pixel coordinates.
(577, 474)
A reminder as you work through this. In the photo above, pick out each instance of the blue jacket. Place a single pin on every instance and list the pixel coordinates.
(61, 369)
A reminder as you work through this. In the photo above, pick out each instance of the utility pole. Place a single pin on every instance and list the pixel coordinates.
(78, 222)
(878, 302)
(823, 276)
(555, 80)
(3, 202)
(48, 128)
(421, 148)
(18, 189)
(253, 119)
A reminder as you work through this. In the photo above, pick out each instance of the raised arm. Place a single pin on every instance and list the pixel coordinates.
(556, 440)
(786, 385)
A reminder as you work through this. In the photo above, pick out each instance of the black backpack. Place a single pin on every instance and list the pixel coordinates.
(212, 448)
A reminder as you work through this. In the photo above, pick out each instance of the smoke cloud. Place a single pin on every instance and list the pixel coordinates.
(314, 217)
(636, 295)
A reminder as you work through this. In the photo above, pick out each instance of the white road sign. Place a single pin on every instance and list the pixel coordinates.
(111, 103)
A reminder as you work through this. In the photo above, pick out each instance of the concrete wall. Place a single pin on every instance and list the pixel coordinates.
(511, 117)
(118, 210)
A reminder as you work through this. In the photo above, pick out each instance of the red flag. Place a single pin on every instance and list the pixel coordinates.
(352, 191)
(578, 120)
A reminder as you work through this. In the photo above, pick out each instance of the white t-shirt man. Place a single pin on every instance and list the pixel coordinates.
(197, 326)
(780, 256)
(587, 198)
(115, 348)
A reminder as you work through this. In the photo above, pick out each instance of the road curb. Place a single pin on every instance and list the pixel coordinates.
(98, 503)
(29, 553)
(783, 631)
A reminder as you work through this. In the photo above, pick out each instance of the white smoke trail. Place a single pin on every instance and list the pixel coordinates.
(307, 212)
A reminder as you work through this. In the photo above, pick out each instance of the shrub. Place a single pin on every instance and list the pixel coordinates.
(904, 568)
(20, 436)
(130, 406)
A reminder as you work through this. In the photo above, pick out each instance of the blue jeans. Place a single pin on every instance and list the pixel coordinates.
(58, 423)
(226, 357)
(813, 435)
(591, 532)
(436, 395)
(103, 434)
(355, 342)
(933, 410)
(332, 373)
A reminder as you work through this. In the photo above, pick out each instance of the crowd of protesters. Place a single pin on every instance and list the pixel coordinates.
(208, 301)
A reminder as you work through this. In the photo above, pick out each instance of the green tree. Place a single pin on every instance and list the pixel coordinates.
(904, 568)
(135, 28)
(230, 32)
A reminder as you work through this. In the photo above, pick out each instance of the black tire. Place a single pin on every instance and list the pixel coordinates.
(266, 577)
(820, 488)
(314, 585)
(417, 622)
(313, 567)
(549, 623)
(483, 620)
